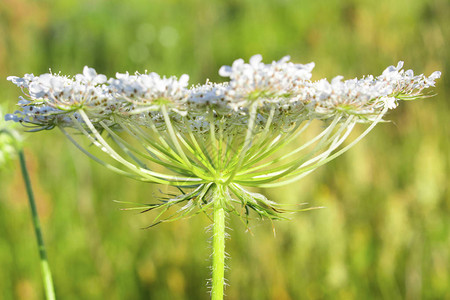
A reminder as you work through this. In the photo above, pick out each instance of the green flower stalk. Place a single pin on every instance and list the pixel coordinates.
(215, 140)
(10, 146)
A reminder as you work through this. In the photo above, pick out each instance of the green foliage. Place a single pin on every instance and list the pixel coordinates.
(384, 233)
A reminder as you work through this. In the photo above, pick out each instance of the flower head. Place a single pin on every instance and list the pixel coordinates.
(150, 90)
(230, 134)
(271, 82)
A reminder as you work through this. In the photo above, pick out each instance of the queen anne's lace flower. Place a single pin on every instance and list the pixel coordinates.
(150, 90)
(212, 141)
(229, 134)
(209, 97)
(256, 80)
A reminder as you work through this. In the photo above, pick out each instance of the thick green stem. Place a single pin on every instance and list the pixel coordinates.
(218, 268)
(45, 268)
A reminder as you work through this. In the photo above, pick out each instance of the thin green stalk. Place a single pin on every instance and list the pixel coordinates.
(218, 267)
(45, 267)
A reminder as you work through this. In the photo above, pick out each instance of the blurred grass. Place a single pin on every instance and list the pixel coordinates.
(384, 233)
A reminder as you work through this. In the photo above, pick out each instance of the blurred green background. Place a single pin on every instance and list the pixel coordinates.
(385, 231)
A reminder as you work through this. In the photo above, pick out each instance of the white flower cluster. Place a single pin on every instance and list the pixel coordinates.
(282, 89)
(230, 134)
(281, 79)
(149, 90)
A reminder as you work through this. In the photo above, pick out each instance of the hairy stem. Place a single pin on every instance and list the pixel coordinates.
(218, 267)
(45, 267)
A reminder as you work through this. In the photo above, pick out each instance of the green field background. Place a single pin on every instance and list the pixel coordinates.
(384, 232)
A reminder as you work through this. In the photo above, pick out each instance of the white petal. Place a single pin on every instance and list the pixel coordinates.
(45, 79)
(89, 73)
(337, 80)
(184, 79)
(225, 71)
(399, 65)
(16, 80)
(237, 63)
(122, 75)
(79, 77)
(99, 79)
(435, 75)
(409, 73)
(255, 60)
(390, 102)
(36, 88)
(309, 67)
(57, 83)
(11, 117)
(284, 59)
